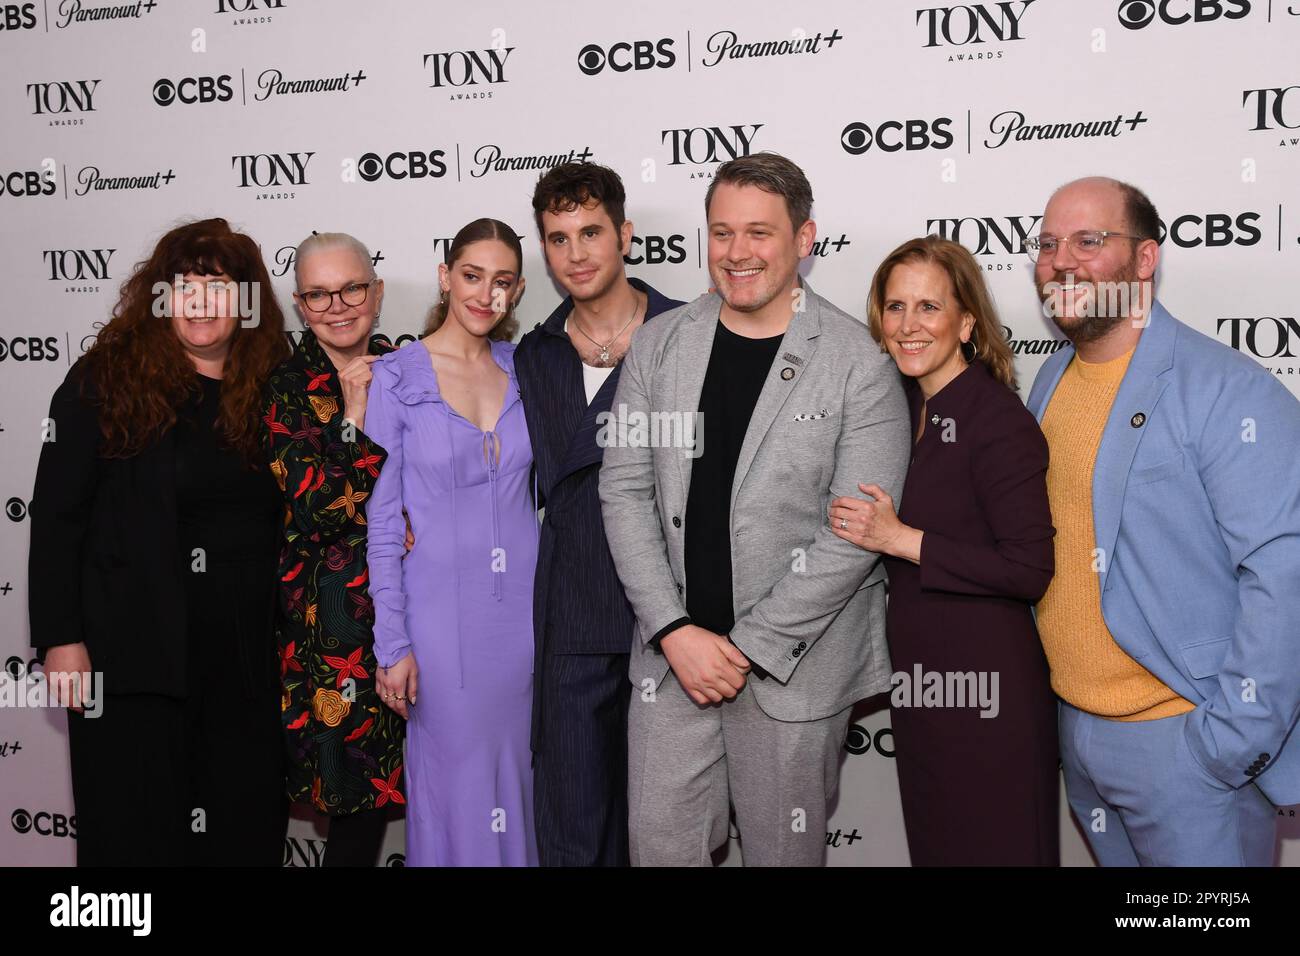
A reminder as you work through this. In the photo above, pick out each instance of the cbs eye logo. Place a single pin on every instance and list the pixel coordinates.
(1136, 14)
(913, 134)
(859, 740)
(193, 89)
(16, 509)
(621, 57)
(44, 823)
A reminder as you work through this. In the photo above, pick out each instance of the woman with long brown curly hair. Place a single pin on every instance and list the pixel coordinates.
(155, 527)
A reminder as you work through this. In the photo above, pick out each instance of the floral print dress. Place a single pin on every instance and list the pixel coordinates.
(344, 745)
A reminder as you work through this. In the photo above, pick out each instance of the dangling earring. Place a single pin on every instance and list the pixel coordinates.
(969, 357)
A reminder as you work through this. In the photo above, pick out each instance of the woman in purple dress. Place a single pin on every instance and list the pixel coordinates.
(453, 618)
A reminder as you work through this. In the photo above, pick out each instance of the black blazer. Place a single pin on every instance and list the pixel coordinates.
(103, 564)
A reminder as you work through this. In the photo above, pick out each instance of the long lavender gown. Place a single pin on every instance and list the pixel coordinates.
(461, 601)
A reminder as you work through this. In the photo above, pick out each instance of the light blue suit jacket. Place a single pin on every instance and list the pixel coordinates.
(1196, 506)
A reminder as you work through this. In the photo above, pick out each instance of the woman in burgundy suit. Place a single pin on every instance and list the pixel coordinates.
(974, 716)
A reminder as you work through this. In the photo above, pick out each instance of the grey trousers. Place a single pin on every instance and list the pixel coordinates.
(688, 763)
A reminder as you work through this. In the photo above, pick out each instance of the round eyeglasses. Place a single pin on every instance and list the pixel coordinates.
(320, 300)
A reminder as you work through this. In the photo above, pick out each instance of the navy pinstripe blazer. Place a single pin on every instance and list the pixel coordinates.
(578, 602)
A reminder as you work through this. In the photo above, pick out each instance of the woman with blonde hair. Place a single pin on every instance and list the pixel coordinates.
(970, 551)
(343, 747)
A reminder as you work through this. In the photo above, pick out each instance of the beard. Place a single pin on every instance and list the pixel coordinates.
(1106, 311)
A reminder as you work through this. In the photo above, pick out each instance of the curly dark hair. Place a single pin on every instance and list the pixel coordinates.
(569, 185)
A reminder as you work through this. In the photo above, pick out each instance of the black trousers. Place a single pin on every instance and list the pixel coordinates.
(162, 781)
(580, 772)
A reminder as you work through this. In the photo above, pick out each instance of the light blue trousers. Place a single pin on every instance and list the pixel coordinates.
(1142, 798)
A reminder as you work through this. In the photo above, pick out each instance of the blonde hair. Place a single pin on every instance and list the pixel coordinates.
(326, 241)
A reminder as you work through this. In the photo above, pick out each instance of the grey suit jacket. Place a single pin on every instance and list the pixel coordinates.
(809, 606)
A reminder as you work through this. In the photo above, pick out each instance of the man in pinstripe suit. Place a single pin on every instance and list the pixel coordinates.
(568, 368)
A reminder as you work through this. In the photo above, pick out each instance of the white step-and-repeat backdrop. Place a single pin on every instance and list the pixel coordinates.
(401, 121)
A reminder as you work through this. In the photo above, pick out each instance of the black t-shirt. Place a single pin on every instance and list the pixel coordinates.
(737, 369)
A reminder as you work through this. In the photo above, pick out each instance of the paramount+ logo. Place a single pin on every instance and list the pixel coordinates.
(284, 257)
(894, 135)
(193, 89)
(626, 56)
(1138, 14)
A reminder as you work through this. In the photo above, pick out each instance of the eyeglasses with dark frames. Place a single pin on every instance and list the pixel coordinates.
(320, 300)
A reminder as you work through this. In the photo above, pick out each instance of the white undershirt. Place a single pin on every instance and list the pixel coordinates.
(592, 378)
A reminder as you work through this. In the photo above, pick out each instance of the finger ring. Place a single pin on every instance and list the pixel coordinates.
(389, 696)
(401, 697)
(844, 523)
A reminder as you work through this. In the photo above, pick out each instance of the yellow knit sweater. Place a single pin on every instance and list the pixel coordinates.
(1089, 670)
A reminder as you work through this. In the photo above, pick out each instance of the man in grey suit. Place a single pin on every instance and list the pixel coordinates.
(771, 625)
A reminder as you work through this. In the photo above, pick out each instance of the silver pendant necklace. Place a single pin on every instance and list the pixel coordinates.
(603, 359)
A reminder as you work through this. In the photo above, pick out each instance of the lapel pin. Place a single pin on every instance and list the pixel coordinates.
(792, 359)
(1138, 420)
(787, 373)
(934, 419)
